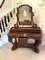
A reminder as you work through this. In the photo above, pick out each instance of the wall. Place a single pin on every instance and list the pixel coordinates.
(6, 8)
(8, 5)
(39, 12)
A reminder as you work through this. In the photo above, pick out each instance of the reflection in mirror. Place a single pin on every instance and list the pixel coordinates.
(24, 14)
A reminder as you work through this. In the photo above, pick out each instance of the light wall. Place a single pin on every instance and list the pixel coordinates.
(7, 6)
(5, 9)
(39, 12)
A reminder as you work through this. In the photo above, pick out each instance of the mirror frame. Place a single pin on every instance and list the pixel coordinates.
(32, 14)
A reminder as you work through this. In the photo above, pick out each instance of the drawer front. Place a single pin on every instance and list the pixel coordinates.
(23, 35)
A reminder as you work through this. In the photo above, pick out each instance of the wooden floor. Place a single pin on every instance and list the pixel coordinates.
(21, 53)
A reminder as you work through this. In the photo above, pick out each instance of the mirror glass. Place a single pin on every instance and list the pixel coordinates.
(24, 14)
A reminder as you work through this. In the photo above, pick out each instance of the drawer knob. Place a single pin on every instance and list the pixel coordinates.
(25, 34)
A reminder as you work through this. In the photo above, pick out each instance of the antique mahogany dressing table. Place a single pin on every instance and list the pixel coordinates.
(24, 29)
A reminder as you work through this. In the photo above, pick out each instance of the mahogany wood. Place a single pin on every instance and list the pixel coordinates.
(22, 34)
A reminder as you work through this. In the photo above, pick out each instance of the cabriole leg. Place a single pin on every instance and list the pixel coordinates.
(14, 42)
(36, 45)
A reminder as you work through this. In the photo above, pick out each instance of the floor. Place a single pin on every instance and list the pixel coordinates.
(21, 53)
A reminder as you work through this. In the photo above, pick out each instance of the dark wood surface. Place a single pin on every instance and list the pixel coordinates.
(29, 32)
(22, 34)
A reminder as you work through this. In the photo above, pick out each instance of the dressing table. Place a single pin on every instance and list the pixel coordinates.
(25, 29)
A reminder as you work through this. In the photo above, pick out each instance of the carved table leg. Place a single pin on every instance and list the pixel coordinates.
(9, 39)
(14, 44)
(36, 45)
